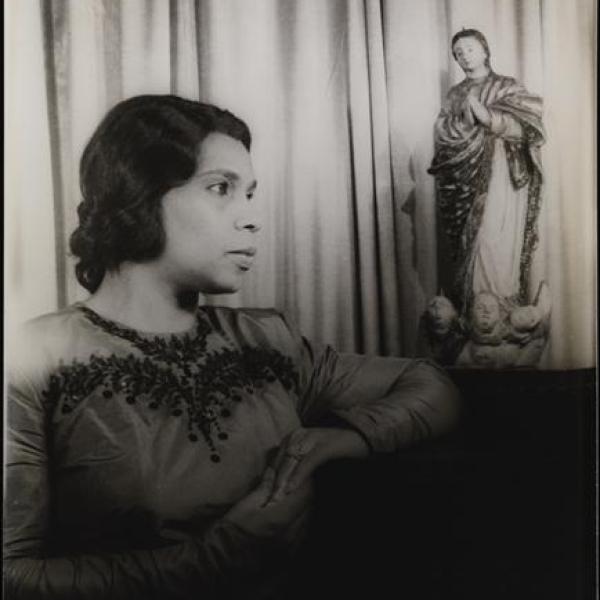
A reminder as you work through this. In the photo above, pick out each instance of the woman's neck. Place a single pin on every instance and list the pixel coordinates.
(133, 296)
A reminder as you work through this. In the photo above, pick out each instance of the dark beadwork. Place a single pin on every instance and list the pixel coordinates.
(175, 372)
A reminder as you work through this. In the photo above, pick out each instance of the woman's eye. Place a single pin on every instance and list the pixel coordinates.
(221, 188)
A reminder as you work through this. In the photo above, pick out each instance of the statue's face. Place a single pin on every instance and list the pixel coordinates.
(485, 313)
(441, 314)
(469, 53)
(524, 318)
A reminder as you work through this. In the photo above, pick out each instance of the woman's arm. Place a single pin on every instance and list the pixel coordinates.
(199, 566)
(392, 402)
(371, 404)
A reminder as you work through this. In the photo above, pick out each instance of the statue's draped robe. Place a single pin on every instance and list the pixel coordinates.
(488, 186)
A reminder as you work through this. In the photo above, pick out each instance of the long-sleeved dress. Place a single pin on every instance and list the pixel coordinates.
(126, 449)
(488, 183)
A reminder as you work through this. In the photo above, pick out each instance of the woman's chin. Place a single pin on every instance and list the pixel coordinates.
(218, 288)
(189, 294)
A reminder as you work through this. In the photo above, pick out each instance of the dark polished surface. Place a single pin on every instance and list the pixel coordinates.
(502, 508)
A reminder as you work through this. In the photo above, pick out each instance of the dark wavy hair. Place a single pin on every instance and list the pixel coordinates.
(474, 33)
(144, 147)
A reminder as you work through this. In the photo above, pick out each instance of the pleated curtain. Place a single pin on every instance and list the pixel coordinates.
(341, 96)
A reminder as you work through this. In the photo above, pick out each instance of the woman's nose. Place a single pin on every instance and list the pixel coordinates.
(249, 222)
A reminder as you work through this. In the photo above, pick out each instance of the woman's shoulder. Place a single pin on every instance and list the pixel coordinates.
(52, 321)
(53, 328)
(47, 338)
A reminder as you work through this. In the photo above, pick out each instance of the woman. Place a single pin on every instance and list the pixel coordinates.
(488, 173)
(157, 449)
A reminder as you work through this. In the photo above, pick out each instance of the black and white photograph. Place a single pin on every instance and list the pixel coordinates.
(300, 300)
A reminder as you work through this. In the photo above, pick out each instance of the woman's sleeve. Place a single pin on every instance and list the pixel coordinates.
(392, 402)
(192, 568)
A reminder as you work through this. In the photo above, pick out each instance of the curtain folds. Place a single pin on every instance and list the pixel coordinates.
(341, 96)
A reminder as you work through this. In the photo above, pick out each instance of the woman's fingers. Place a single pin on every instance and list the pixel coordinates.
(268, 478)
(280, 457)
(293, 453)
(266, 485)
(301, 473)
(305, 449)
(287, 467)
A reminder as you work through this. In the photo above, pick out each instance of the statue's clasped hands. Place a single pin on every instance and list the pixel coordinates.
(478, 109)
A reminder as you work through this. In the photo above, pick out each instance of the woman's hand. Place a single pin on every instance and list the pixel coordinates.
(304, 450)
(254, 515)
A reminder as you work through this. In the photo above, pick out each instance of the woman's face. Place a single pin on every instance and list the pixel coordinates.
(469, 53)
(210, 221)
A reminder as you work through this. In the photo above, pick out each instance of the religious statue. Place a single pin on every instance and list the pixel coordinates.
(488, 175)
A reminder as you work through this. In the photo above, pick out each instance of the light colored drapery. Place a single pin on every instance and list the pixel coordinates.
(341, 96)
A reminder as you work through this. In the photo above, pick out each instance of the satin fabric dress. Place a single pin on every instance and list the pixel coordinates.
(125, 450)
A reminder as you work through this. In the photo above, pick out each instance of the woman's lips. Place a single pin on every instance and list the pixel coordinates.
(243, 258)
(249, 251)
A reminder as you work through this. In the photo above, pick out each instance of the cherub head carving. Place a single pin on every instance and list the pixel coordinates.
(440, 315)
(485, 312)
(525, 318)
